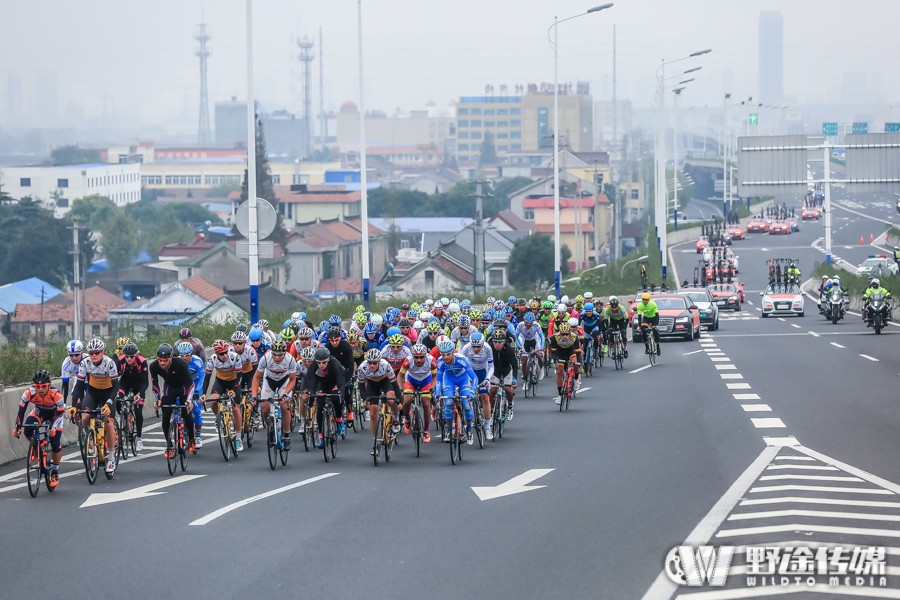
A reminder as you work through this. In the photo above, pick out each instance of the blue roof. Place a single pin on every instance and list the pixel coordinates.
(26, 291)
(103, 264)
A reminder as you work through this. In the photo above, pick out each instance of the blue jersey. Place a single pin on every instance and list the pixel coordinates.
(459, 368)
(589, 323)
(197, 369)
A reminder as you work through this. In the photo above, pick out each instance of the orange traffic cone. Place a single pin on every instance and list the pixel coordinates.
(871, 239)
(862, 241)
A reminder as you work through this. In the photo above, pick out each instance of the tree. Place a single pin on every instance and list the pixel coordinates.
(531, 262)
(5, 198)
(28, 254)
(119, 241)
(264, 188)
(73, 155)
(488, 154)
(93, 211)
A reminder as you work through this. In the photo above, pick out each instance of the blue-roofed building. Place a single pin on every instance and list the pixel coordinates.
(121, 183)
(26, 291)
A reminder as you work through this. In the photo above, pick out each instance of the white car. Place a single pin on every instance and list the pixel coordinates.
(782, 301)
(877, 266)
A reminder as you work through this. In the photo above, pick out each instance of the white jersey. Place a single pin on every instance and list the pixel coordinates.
(384, 370)
(70, 369)
(98, 376)
(482, 360)
(227, 368)
(277, 370)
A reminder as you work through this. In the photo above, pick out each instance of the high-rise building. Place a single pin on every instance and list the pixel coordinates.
(771, 58)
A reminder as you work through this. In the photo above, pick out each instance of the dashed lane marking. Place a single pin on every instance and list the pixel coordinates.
(756, 407)
(867, 357)
(746, 396)
(768, 423)
(836, 345)
(725, 367)
(731, 376)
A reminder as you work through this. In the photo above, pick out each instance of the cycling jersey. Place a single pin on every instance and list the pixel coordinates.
(395, 359)
(648, 310)
(51, 406)
(276, 371)
(133, 377)
(384, 370)
(70, 371)
(591, 322)
(482, 361)
(544, 319)
(529, 334)
(226, 369)
(615, 314)
(248, 358)
(100, 379)
(198, 371)
(418, 375)
(459, 338)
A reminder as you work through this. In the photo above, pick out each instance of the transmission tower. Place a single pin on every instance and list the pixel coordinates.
(203, 137)
(306, 58)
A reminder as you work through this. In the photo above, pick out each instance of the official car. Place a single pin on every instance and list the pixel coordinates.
(779, 227)
(678, 317)
(758, 226)
(877, 266)
(726, 295)
(709, 312)
(782, 301)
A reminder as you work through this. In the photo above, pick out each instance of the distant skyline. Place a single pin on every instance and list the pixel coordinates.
(135, 64)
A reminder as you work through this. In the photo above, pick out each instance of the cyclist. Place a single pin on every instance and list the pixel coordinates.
(70, 364)
(227, 365)
(133, 369)
(356, 346)
(374, 377)
(407, 331)
(564, 347)
(616, 317)
(268, 334)
(395, 352)
(198, 372)
(98, 381)
(433, 330)
(505, 364)
(650, 315)
(249, 359)
(462, 333)
(186, 335)
(482, 362)
(592, 323)
(341, 349)
(417, 374)
(178, 385)
(530, 338)
(454, 373)
(372, 335)
(327, 376)
(49, 405)
(120, 343)
(277, 372)
(257, 342)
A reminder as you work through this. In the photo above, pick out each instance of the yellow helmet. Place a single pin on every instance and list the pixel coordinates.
(565, 328)
(645, 296)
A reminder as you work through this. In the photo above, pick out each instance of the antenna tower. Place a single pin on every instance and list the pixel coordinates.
(306, 58)
(204, 137)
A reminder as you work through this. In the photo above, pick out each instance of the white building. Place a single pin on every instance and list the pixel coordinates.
(58, 186)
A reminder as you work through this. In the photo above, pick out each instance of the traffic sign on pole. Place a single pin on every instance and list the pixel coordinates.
(754, 118)
(860, 127)
(266, 218)
(829, 128)
(892, 127)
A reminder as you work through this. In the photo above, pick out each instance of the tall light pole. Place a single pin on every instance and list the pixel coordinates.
(660, 177)
(725, 153)
(363, 179)
(252, 215)
(557, 254)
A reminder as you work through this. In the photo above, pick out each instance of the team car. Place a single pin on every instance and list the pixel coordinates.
(709, 312)
(779, 227)
(726, 295)
(758, 226)
(737, 232)
(702, 244)
(877, 266)
(811, 214)
(678, 317)
(782, 301)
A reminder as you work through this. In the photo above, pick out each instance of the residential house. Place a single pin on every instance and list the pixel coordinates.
(436, 275)
(221, 264)
(577, 224)
(58, 316)
(302, 204)
(136, 282)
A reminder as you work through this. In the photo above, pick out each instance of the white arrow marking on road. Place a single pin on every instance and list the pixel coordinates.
(144, 491)
(515, 485)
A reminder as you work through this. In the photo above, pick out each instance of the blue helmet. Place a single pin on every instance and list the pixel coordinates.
(412, 314)
(445, 347)
(255, 334)
(589, 306)
(511, 300)
(334, 320)
(288, 323)
(434, 319)
(393, 331)
(184, 348)
(323, 326)
(477, 340)
(371, 328)
(75, 347)
(529, 317)
(302, 316)
(463, 321)
(488, 315)
(465, 304)
(509, 310)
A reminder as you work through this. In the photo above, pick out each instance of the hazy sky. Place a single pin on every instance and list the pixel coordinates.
(137, 57)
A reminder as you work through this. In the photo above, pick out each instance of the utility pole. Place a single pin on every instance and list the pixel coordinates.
(480, 287)
(42, 317)
(76, 254)
(615, 125)
(323, 122)
(306, 58)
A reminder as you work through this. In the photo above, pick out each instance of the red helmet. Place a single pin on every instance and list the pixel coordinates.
(220, 346)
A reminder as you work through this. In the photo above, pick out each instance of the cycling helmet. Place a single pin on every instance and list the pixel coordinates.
(445, 300)
(414, 306)
(429, 302)
(589, 306)
(425, 316)
(564, 299)
(475, 315)
(335, 333)
(353, 336)
(373, 355)
(334, 320)
(308, 353)
(396, 340)
(613, 301)
(185, 333)
(511, 300)
(412, 314)
(360, 309)
(534, 305)
(242, 327)
(501, 323)
(645, 296)
(529, 317)
(96, 345)
(433, 327)
(130, 349)
(489, 315)
(392, 331)
(404, 322)
(441, 338)
(41, 376)
(418, 325)
(476, 340)
(279, 347)
(263, 324)
(322, 354)
(551, 298)
(463, 321)
(508, 310)
(306, 332)
(74, 347)
(255, 334)
(287, 334)
(371, 328)
(498, 336)
(419, 350)
(547, 304)
(120, 343)
(453, 308)
(573, 322)
(562, 307)
(579, 299)
(295, 315)
(445, 347)
(589, 295)
(184, 348)
(875, 282)
(565, 328)
(377, 320)
(323, 325)
(836, 279)
(164, 351)
(360, 319)
(824, 277)
(238, 336)
(404, 306)
(465, 304)
(498, 305)
(220, 346)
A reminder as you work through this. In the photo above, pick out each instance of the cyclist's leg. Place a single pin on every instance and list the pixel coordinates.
(56, 430)
(371, 390)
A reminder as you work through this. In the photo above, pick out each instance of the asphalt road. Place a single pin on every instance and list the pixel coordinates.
(767, 431)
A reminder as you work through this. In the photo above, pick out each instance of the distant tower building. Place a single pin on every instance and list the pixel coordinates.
(306, 57)
(771, 58)
(204, 137)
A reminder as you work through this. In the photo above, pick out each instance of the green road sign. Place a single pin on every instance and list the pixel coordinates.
(754, 119)
(892, 127)
(829, 128)
(860, 128)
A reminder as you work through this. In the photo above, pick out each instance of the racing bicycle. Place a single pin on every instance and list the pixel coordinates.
(385, 437)
(650, 342)
(275, 437)
(617, 349)
(36, 461)
(95, 444)
(224, 427)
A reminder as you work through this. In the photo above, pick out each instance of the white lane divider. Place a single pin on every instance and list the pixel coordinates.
(781, 319)
(867, 357)
(746, 396)
(689, 353)
(725, 367)
(638, 370)
(720, 359)
(731, 376)
(795, 325)
(738, 386)
(768, 423)
(814, 334)
(836, 345)
(240, 503)
(756, 407)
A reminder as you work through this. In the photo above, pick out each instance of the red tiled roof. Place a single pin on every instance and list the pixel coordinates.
(349, 285)
(97, 303)
(453, 270)
(203, 288)
(563, 228)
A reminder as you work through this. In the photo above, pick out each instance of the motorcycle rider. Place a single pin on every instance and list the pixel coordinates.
(831, 284)
(874, 288)
(793, 273)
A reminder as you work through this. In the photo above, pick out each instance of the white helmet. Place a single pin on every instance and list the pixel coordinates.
(418, 325)
(377, 320)
(295, 316)
(561, 307)
(564, 299)
(588, 295)
(551, 298)
(573, 322)
(875, 281)
(429, 302)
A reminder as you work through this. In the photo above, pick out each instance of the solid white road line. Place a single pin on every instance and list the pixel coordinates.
(756, 408)
(746, 396)
(689, 353)
(81, 470)
(836, 345)
(725, 367)
(240, 503)
(784, 441)
(833, 501)
(867, 357)
(875, 479)
(810, 477)
(767, 423)
(819, 488)
(791, 527)
(792, 457)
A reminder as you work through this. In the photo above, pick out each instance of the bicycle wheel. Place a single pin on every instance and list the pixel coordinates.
(376, 444)
(91, 456)
(454, 438)
(499, 412)
(82, 435)
(332, 441)
(562, 394)
(33, 463)
(589, 360)
(132, 435)
(306, 433)
(183, 454)
(652, 349)
(224, 438)
(327, 432)
(391, 441)
(121, 453)
(416, 418)
(479, 426)
(172, 462)
(282, 452)
(271, 443)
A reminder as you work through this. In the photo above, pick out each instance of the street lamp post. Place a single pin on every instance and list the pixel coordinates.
(557, 254)
(631, 262)
(363, 179)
